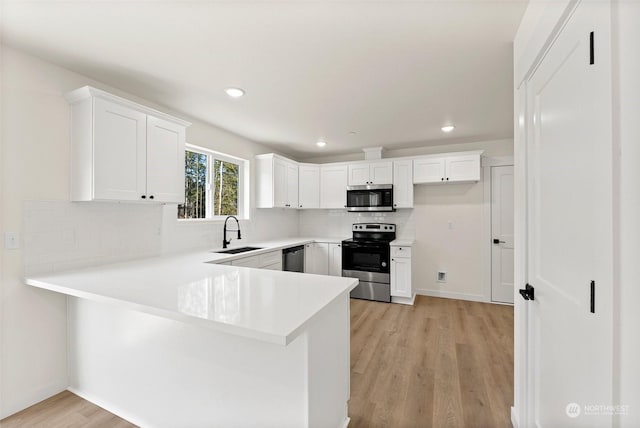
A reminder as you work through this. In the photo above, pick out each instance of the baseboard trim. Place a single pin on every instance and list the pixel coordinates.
(346, 422)
(404, 300)
(109, 407)
(453, 295)
(514, 418)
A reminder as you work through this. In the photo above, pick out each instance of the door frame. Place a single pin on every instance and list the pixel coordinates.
(489, 162)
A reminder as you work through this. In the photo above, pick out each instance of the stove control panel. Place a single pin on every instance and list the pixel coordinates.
(373, 227)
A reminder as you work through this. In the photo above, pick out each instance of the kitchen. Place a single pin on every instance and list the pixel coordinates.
(446, 228)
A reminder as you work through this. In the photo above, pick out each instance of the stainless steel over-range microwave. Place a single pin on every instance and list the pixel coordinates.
(370, 197)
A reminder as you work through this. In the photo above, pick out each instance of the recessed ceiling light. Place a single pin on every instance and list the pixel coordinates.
(448, 128)
(321, 143)
(234, 92)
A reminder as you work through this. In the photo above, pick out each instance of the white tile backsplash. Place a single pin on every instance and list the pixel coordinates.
(336, 223)
(61, 235)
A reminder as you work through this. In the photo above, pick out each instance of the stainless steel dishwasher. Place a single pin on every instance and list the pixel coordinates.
(293, 259)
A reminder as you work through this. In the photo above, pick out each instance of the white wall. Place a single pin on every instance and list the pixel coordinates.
(59, 235)
(459, 251)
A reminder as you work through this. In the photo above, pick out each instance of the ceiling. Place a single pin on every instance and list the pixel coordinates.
(353, 73)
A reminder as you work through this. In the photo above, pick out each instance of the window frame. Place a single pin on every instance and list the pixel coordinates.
(243, 184)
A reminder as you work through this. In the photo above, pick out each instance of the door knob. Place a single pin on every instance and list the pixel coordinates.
(527, 293)
(497, 241)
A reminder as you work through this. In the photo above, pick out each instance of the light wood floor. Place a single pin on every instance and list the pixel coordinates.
(64, 410)
(439, 363)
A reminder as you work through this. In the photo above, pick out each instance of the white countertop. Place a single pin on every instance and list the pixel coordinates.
(262, 304)
(402, 242)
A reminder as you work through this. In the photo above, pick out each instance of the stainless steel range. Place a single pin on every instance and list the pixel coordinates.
(366, 256)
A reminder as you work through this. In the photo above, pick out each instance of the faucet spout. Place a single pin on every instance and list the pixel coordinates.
(226, 242)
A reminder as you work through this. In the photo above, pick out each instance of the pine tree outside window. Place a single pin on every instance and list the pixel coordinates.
(213, 185)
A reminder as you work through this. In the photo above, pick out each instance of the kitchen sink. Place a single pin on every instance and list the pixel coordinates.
(238, 250)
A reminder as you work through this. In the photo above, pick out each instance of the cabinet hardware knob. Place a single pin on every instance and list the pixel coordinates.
(447, 178)
(144, 196)
(151, 197)
(442, 179)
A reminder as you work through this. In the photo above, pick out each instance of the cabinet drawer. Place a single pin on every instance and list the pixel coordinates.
(400, 251)
(271, 257)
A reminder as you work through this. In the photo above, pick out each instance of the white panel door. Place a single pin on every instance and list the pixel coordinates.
(292, 185)
(279, 183)
(462, 168)
(502, 256)
(120, 158)
(335, 259)
(428, 170)
(403, 184)
(165, 160)
(359, 174)
(308, 186)
(381, 172)
(569, 244)
(333, 186)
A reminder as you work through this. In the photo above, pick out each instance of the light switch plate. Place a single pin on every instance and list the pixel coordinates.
(11, 240)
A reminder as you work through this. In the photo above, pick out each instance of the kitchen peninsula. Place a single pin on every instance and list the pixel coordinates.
(176, 341)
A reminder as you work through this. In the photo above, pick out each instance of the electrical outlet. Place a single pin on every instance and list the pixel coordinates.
(442, 276)
(11, 240)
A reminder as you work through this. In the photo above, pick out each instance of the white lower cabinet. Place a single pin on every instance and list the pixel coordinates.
(335, 259)
(322, 258)
(401, 278)
(316, 258)
(271, 260)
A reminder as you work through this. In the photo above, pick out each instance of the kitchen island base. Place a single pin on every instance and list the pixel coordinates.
(160, 372)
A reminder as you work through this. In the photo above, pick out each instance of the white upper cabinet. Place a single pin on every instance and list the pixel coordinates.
(308, 186)
(452, 167)
(370, 173)
(403, 184)
(123, 151)
(333, 186)
(276, 182)
(165, 146)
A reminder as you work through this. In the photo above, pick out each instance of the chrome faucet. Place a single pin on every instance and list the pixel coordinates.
(224, 237)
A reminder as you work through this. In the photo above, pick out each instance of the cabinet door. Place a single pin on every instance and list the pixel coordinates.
(401, 277)
(279, 183)
(316, 258)
(251, 261)
(428, 170)
(165, 160)
(335, 259)
(403, 184)
(463, 168)
(359, 174)
(381, 172)
(308, 186)
(120, 158)
(292, 185)
(333, 186)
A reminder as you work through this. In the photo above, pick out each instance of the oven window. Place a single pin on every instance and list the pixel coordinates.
(369, 259)
(366, 261)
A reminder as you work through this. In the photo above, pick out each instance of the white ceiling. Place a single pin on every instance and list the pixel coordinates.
(392, 71)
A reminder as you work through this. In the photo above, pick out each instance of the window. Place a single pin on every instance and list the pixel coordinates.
(213, 185)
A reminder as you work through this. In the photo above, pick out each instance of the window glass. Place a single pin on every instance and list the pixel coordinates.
(212, 186)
